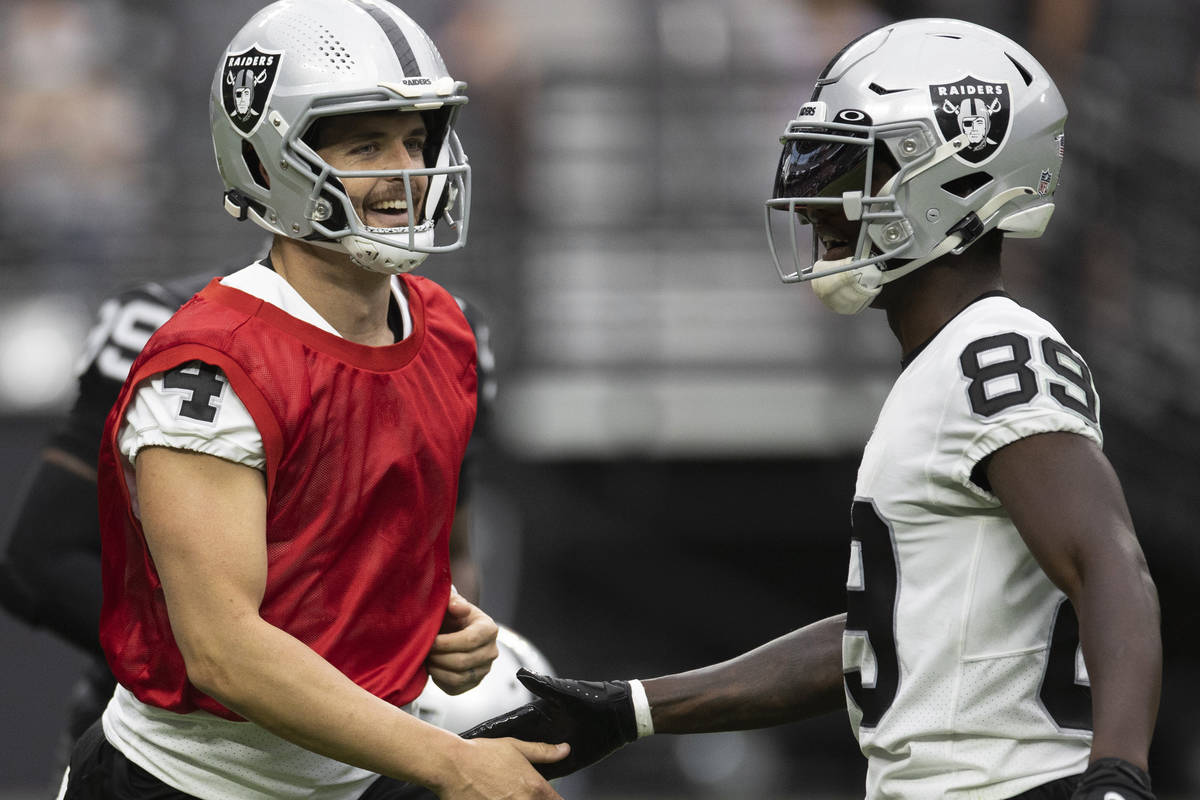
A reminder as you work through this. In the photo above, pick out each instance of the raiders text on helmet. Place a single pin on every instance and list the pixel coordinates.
(297, 61)
(969, 122)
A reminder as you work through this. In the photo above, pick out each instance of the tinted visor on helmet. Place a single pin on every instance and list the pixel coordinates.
(811, 168)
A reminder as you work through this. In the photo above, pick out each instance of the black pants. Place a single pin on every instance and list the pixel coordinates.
(1060, 789)
(100, 771)
(89, 696)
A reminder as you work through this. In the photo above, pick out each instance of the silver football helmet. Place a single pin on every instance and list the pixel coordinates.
(498, 692)
(970, 128)
(297, 61)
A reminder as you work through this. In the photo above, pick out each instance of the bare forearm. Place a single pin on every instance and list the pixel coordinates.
(1122, 646)
(1067, 503)
(274, 680)
(796, 676)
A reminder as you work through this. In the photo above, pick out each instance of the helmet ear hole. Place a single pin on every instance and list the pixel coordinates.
(968, 184)
(254, 166)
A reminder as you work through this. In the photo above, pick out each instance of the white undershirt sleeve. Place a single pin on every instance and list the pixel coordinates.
(167, 416)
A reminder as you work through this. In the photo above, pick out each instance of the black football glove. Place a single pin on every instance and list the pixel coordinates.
(1113, 779)
(594, 717)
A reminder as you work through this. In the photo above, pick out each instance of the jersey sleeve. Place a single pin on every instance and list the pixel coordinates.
(123, 326)
(485, 366)
(50, 568)
(191, 407)
(1014, 384)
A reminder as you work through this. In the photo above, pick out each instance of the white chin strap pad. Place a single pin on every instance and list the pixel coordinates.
(850, 291)
(377, 257)
(847, 292)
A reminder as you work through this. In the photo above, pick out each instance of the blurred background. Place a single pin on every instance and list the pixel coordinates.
(676, 433)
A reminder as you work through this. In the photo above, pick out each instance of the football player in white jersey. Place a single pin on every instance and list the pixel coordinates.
(1001, 635)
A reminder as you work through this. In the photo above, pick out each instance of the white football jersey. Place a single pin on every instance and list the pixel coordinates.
(964, 676)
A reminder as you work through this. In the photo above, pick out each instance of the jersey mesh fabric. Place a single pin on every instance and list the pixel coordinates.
(363, 447)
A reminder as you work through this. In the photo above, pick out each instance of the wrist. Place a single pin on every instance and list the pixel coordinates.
(437, 761)
(641, 709)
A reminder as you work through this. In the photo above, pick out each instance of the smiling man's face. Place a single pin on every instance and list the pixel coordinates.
(380, 140)
(838, 235)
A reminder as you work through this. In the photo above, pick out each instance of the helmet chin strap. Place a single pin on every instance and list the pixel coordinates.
(376, 257)
(851, 291)
(373, 252)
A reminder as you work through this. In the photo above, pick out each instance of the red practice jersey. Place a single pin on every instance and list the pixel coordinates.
(363, 447)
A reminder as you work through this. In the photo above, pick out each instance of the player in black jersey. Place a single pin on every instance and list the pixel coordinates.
(50, 571)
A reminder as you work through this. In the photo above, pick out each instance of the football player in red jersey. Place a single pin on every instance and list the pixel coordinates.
(278, 476)
(50, 568)
(1002, 635)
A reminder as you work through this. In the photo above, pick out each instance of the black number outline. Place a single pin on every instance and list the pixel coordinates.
(1056, 355)
(1053, 353)
(979, 375)
(871, 612)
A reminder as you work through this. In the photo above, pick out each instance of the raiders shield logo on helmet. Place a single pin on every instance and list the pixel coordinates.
(979, 109)
(249, 77)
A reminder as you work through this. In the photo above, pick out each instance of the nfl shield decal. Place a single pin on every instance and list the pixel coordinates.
(979, 109)
(246, 84)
